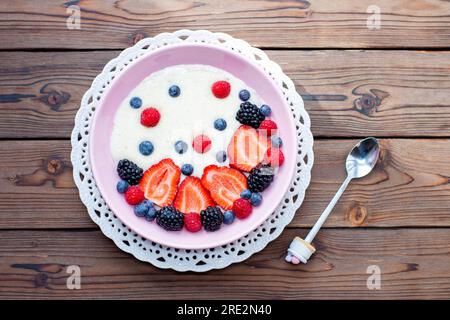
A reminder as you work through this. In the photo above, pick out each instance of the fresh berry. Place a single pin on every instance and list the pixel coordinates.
(201, 143)
(256, 199)
(265, 110)
(160, 182)
(181, 147)
(247, 148)
(129, 171)
(141, 209)
(242, 208)
(221, 156)
(149, 203)
(150, 117)
(192, 196)
(269, 127)
(224, 184)
(246, 194)
(244, 95)
(274, 157)
(174, 91)
(260, 178)
(122, 186)
(212, 218)
(220, 124)
(146, 148)
(276, 141)
(187, 169)
(221, 89)
(170, 219)
(151, 214)
(136, 102)
(134, 195)
(192, 222)
(228, 217)
(249, 114)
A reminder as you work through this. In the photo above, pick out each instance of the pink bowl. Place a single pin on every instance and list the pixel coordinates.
(104, 168)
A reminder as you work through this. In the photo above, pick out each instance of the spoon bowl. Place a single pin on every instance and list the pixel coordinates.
(363, 158)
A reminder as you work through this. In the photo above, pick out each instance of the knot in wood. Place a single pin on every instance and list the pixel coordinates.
(357, 215)
(54, 166)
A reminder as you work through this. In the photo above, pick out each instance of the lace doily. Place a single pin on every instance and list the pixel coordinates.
(177, 259)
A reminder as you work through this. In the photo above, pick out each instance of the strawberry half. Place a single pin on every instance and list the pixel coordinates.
(159, 183)
(247, 148)
(192, 196)
(224, 184)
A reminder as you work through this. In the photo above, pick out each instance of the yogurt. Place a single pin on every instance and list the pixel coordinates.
(183, 118)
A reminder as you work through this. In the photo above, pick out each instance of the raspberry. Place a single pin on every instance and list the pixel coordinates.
(242, 208)
(221, 89)
(269, 126)
(150, 117)
(201, 143)
(134, 195)
(274, 157)
(192, 222)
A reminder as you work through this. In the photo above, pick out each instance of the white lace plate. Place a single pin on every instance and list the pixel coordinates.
(177, 259)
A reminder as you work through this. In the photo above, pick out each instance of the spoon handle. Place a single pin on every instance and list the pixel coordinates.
(312, 233)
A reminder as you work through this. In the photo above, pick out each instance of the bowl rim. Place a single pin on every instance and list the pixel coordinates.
(268, 208)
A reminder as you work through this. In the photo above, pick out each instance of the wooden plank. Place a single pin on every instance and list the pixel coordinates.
(408, 188)
(347, 93)
(266, 23)
(413, 264)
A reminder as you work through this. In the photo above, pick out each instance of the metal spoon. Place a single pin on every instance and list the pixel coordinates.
(360, 162)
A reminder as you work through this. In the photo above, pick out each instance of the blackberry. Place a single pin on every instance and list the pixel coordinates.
(212, 218)
(249, 114)
(129, 171)
(260, 178)
(170, 219)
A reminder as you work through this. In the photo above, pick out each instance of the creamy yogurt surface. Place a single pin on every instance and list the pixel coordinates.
(183, 118)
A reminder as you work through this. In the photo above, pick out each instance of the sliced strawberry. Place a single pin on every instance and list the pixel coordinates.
(225, 184)
(247, 148)
(159, 183)
(192, 196)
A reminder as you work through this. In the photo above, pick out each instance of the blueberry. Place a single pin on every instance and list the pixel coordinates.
(265, 110)
(136, 102)
(146, 148)
(148, 203)
(174, 91)
(221, 156)
(151, 214)
(246, 194)
(244, 95)
(122, 186)
(141, 209)
(256, 199)
(220, 124)
(276, 141)
(181, 147)
(187, 169)
(228, 217)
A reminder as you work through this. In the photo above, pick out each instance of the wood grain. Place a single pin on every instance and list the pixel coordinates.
(408, 188)
(264, 23)
(347, 93)
(413, 264)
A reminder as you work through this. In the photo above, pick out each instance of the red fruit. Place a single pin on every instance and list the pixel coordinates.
(269, 126)
(201, 143)
(274, 157)
(192, 196)
(150, 117)
(224, 184)
(134, 195)
(242, 208)
(247, 148)
(159, 183)
(221, 89)
(192, 222)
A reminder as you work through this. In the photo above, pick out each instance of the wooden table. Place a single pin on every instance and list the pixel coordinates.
(392, 82)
